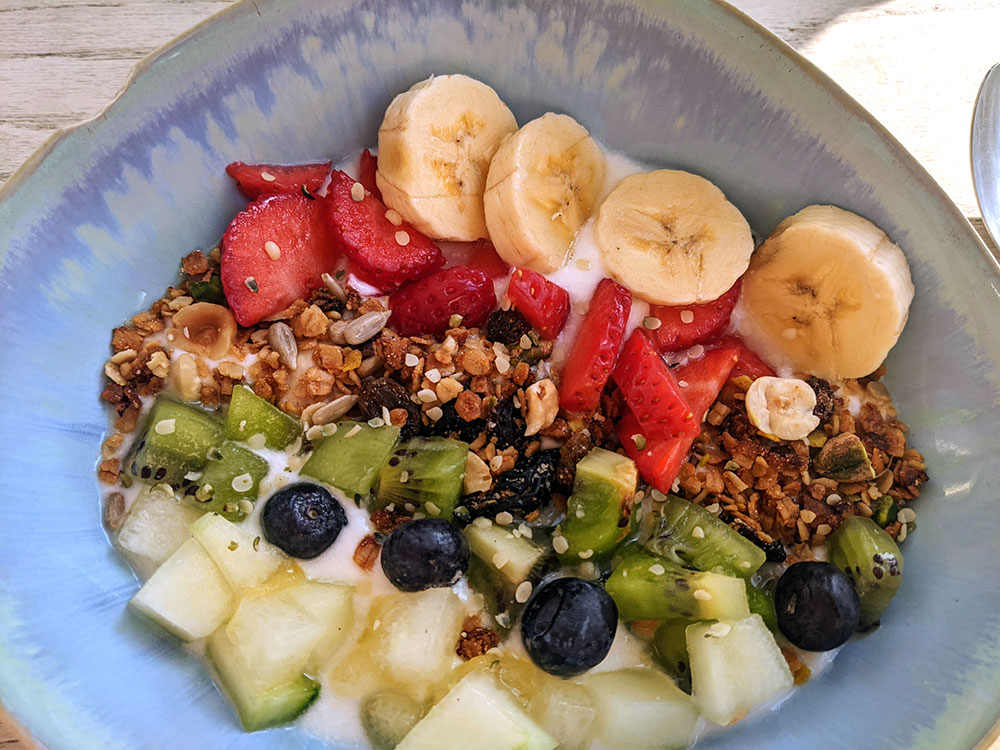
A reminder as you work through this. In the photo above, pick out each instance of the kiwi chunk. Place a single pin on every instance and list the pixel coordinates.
(425, 472)
(230, 483)
(175, 441)
(250, 415)
(649, 587)
(387, 717)
(762, 603)
(670, 647)
(598, 510)
(873, 562)
(351, 458)
(689, 535)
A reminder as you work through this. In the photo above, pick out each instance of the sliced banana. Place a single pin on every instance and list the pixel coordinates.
(672, 237)
(782, 407)
(434, 150)
(542, 186)
(829, 290)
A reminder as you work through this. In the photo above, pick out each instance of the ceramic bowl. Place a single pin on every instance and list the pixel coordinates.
(98, 219)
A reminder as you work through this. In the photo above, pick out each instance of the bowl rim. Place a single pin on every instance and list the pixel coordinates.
(162, 54)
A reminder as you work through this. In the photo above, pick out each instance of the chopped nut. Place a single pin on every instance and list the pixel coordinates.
(158, 364)
(447, 389)
(184, 374)
(231, 370)
(310, 323)
(543, 406)
(478, 477)
(203, 329)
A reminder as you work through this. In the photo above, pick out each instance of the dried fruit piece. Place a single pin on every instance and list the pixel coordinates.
(382, 394)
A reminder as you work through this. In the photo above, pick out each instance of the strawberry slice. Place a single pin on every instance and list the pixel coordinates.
(701, 380)
(274, 253)
(595, 349)
(749, 363)
(426, 306)
(683, 327)
(477, 254)
(651, 392)
(659, 460)
(366, 173)
(383, 254)
(543, 303)
(255, 180)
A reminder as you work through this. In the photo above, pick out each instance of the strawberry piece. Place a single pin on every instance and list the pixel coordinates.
(651, 392)
(426, 306)
(366, 173)
(595, 349)
(707, 322)
(543, 303)
(384, 254)
(255, 283)
(478, 254)
(659, 460)
(749, 363)
(252, 182)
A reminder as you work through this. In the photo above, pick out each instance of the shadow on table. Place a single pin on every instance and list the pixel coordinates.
(798, 21)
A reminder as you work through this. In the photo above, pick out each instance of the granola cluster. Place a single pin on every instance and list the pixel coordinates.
(776, 489)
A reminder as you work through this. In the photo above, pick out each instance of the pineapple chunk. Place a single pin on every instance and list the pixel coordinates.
(243, 562)
(156, 525)
(477, 713)
(566, 710)
(414, 636)
(641, 709)
(187, 595)
(735, 665)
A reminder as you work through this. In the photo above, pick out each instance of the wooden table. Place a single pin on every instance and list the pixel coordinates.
(915, 64)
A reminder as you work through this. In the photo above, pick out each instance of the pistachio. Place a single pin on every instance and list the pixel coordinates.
(204, 329)
(845, 459)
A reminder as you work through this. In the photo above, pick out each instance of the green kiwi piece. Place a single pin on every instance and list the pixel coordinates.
(387, 717)
(351, 458)
(597, 513)
(649, 587)
(689, 535)
(175, 441)
(873, 562)
(762, 603)
(670, 647)
(230, 483)
(425, 472)
(251, 415)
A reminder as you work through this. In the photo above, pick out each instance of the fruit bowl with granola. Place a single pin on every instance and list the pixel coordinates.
(494, 437)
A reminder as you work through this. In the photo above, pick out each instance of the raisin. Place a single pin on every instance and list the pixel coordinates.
(326, 301)
(506, 425)
(519, 491)
(507, 327)
(452, 425)
(825, 400)
(382, 393)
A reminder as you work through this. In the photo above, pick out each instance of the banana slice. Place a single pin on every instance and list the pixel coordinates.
(782, 407)
(434, 150)
(831, 291)
(672, 238)
(542, 186)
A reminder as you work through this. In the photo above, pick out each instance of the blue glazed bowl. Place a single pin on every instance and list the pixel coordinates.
(99, 218)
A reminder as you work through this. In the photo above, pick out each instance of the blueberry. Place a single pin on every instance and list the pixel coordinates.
(818, 607)
(568, 626)
(303, 519)
(425, 554)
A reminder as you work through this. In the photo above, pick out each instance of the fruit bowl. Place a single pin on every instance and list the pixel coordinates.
(98, 218)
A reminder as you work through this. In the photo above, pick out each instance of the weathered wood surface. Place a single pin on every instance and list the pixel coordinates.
(915, 64)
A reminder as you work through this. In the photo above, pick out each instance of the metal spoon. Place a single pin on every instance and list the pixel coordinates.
(986, 151)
